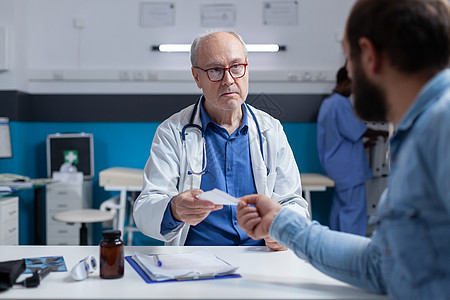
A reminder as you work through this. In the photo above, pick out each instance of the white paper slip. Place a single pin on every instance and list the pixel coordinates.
(217, 196)
(17, 184)
(182, 266)
(5, 189)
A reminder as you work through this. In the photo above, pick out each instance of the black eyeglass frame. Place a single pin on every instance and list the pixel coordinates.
(224, 69)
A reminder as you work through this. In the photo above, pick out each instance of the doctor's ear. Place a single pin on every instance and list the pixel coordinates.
(195, 75)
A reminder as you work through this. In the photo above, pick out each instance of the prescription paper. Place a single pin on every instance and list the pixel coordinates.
(183, 266)
(217, 196)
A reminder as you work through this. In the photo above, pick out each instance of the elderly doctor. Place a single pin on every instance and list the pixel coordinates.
(219, 142)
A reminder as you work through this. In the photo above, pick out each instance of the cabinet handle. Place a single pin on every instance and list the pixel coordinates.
(62, 231)
(62, 205)
(12, 229)
(62, 193)
(12, 212)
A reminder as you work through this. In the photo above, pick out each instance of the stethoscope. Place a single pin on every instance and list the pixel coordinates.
(200, 129)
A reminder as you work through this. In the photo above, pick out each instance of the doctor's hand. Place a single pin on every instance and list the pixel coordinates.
(273, 245)
(256, 220)
(185, 207)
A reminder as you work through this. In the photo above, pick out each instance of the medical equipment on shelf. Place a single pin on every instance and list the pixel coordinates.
(121, 176)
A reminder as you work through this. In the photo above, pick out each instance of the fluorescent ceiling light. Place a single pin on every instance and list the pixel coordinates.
(250, 48)
(263, 48)
(174, 47)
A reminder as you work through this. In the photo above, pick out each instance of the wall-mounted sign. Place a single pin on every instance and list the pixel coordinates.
(218, 15)
(281, 13)
(157, 14)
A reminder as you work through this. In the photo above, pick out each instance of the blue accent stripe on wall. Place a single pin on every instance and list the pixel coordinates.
(20, 106)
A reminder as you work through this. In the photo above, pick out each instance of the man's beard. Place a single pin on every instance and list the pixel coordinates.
(370, 100)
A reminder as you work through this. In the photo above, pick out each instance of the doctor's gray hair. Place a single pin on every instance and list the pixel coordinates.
(199, 38)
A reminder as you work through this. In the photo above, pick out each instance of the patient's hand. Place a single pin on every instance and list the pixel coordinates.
(257, 217)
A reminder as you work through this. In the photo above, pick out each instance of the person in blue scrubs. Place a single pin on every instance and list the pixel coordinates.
(341, 151)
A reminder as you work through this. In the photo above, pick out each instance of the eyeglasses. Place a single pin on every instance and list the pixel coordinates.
(216, 74)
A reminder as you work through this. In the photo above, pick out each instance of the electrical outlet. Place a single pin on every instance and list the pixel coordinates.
(58, 75)
(152, 76)
(79, 23)
(307, 76)
(138, 75)
(124, 75)
(321, 76)
(293, 76)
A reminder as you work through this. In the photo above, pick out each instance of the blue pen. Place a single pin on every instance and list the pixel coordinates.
(157, 260)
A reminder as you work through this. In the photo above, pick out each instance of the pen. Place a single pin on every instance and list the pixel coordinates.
(157, 260)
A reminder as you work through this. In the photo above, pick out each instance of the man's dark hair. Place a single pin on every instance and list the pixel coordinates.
(342, 76)
(414, 34)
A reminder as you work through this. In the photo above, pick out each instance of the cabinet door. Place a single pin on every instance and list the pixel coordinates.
(62, 198)
(9, 209)
(10, 233)
(9, 221)
(62, 234)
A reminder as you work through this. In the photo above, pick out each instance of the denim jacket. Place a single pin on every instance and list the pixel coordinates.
(408, 256)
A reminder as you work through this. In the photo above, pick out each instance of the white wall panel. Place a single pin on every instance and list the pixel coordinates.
(112, 41)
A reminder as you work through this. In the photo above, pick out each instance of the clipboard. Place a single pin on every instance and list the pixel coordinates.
(147, 279)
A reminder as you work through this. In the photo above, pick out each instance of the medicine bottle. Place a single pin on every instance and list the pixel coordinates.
(111, 255)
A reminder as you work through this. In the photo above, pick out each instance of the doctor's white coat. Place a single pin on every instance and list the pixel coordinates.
(166, 171)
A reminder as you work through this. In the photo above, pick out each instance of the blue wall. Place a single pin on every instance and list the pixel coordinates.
(127, 144)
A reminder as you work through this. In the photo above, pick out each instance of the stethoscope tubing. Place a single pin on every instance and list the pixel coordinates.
(196, 126)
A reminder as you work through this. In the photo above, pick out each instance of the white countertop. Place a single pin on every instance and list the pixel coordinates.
(265, 275)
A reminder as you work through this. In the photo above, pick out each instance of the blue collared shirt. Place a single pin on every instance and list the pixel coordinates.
(228, 164)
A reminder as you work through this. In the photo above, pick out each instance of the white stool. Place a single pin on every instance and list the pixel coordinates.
(83, 216)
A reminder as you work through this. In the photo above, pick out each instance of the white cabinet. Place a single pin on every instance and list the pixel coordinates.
(9, 220)
(62, 196)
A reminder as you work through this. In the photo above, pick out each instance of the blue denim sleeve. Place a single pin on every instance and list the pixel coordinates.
(346, 257)
(168, 223)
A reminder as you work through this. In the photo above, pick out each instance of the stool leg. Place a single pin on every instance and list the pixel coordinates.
(83, 234)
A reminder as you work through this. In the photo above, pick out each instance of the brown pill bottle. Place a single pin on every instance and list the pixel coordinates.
(111, 255)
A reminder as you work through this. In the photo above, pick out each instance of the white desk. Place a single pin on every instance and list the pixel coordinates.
(265, 275)
(313, 182)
